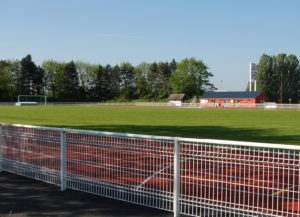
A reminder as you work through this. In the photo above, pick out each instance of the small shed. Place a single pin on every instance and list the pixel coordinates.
(177, 99)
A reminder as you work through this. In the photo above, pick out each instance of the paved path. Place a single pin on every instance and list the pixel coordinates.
(22, 197)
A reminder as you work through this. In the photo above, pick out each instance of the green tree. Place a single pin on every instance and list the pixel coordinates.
(265, 77)
(70, 80)
(38, 80)
(31, 77)
(98, 84)
(173, 66)
(4, 81)
(13, 70)
(103, 83)
(292, 81)
(153, 80)
(165, 73)
(248, 86)
(142, 86)
(107, 78)
(10, 71)
(115, 81)
(127, 80)
(54, 78)
(279, 76)
(191, 77)
(87, 74)
(50, 68)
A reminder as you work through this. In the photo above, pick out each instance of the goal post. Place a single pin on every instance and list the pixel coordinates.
(31, 100)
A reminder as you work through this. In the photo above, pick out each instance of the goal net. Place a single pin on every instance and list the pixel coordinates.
(31, 100)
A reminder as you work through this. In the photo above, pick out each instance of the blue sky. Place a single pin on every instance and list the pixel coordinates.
(226, 35)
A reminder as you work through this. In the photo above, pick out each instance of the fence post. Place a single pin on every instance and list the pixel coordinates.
(1, 148)
(176, 190)
(63, 160)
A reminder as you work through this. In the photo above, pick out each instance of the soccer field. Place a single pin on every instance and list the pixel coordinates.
(270, 126)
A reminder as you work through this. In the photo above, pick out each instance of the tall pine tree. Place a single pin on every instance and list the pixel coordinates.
(31, 77)
(71, 82)
(127, 80)
(103, 87)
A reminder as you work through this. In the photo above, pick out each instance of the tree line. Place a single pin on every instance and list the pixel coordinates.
(83, 81)
(279, 77)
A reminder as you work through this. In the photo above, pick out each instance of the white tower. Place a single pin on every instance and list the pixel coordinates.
(252, 76)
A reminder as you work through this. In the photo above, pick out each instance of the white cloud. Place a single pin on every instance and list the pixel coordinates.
(118, 36)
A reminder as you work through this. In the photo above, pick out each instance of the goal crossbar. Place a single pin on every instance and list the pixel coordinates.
(31, 100)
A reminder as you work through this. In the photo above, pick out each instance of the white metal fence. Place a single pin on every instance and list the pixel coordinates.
(189, 176)
(167, 104)
(206, 105)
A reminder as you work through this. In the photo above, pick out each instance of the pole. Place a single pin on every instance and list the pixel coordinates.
(250, 83)
(176, 205)
(281, 88)
(254, 85)
(63, 160)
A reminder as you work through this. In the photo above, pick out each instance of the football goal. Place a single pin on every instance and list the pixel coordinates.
(31, 100)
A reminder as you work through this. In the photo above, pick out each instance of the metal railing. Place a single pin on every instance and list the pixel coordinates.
(205, 105)
(195, 177)
(167, 104)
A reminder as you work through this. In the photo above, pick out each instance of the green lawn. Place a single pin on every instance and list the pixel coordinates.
(271, 126)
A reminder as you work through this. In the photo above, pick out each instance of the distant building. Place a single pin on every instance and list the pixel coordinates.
(177, 99)
(233, 97)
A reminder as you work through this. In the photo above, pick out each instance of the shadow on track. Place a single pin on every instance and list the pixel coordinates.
(22, 197)
(205, 132)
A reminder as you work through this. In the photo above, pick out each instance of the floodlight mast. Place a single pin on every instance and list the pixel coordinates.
(250, 78)
(253, 71)
(281, 88)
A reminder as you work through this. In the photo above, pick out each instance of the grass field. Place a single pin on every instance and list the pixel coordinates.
(271, 126)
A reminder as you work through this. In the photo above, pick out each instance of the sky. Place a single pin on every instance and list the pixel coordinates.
(225, 34)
